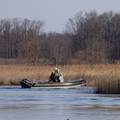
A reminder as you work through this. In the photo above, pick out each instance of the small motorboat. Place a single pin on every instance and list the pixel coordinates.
(25, 83)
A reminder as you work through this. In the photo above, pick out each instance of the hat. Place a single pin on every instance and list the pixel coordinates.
(56, 69)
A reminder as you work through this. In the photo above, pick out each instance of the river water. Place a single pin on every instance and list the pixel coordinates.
(57, 104)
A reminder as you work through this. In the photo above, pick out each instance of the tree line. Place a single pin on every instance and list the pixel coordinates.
(89, 38)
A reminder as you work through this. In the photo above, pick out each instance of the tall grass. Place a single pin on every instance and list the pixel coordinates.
(109, 81)
(108, 85)
(106, 78)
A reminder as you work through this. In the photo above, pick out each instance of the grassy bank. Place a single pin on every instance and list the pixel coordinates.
(104, 77)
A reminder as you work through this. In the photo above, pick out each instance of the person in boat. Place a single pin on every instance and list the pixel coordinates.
(56, 76)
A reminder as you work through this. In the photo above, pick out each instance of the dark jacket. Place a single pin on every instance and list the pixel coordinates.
(54, 77)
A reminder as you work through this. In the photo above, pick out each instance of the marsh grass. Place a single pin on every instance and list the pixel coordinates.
(110, 85)
(106, 78)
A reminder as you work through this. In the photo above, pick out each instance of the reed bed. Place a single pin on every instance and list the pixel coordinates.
(106, 78)
(110, 85)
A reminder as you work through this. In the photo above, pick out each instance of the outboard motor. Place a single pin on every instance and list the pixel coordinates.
(25, 83)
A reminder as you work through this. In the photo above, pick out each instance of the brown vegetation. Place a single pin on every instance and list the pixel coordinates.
(96, 75)
(90, 38)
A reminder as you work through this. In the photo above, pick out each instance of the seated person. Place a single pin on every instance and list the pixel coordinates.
(56, 76)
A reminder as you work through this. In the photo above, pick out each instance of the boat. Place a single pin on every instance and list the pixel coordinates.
(25, 83)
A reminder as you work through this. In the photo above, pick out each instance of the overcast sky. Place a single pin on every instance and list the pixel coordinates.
(55, 13)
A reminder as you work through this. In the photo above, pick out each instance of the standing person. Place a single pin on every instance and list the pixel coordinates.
(56, 76)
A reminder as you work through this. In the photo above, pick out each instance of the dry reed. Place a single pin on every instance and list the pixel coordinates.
(104, 77)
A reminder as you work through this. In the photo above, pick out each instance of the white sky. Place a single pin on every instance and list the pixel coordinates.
(55, 13)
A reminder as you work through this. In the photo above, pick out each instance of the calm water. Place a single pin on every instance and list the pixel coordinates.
(57, 104)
